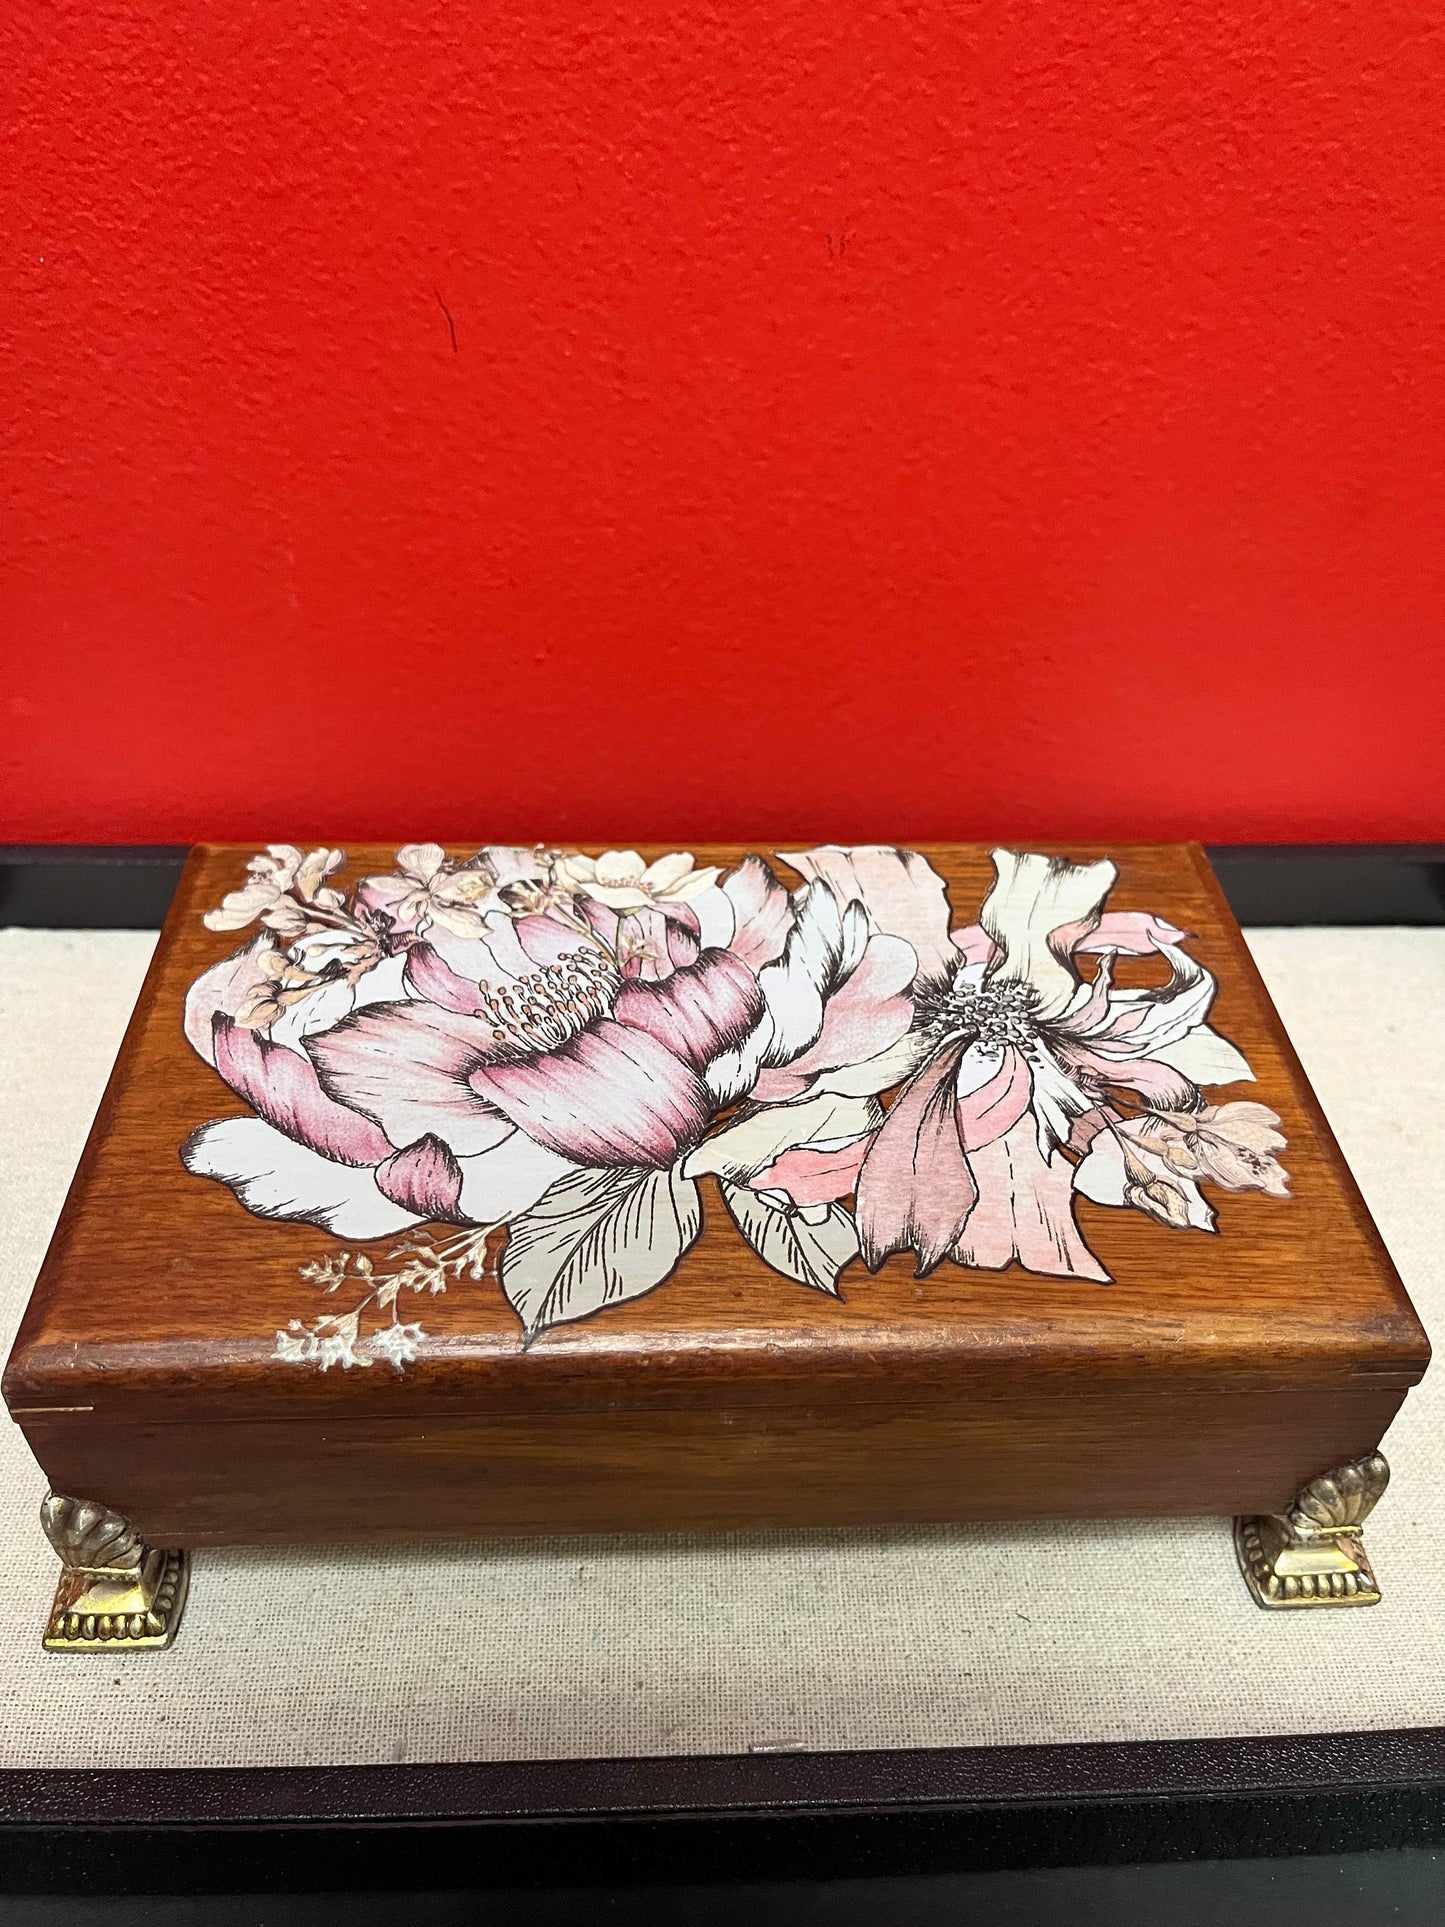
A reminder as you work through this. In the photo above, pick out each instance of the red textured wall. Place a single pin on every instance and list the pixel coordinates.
(900, 419)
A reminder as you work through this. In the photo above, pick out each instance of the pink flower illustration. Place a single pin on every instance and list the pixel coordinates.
(1155, 1161)
(460, 1077)
(1025, 1079)
(568, 1046)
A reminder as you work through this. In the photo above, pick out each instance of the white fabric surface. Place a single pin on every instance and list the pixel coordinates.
(945, 1637)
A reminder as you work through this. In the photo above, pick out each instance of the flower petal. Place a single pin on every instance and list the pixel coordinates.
(618, 896)
(1089, 1010)
(1038, 908)
(223, 988)
(901, 891)
(326, 1005)
(510, 863)
(759, 1139)
(1024, 1211)
(1255, 1126)
(463, 889)
(826, 944)
(437, 983)
(875, 1074)
(420, 860)
(1171, 1197)
(275, 1177)
(646, 943)
(462, 919)
(975, 943)
(823, 947)
(1142, 1023)
(762, 912)
(385, 893)
(694, 884)
(406, 1066)
(509, 1178)
(385, 983)
(424, 1178)
(243, 906)
(1100, 1175)
(1133, 932)
(1058, 1096)
(621, 867)
(313, 870)
(810, 1176)
(915, 1190)
(871, 1010)
(611, 1095)
(713, 909)
(605, 924)
(1204, 1057)
(682, 943)
(1238, 1170)
(281, 1085)
(698, 1012)
(660, 876)
(1086, 1069)
(544, 939)
(492, 958)
(995, 1106)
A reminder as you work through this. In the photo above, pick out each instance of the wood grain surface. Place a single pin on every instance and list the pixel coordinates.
(1216, 1373)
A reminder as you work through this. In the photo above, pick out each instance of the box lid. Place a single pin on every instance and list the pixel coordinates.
(1044, 1092)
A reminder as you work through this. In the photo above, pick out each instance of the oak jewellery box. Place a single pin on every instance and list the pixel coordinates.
(541, 1191)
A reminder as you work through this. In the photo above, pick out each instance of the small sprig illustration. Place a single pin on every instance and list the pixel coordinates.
(338, 1338)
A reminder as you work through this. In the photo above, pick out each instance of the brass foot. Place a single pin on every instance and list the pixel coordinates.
(1314, 1555)
(115, 1594)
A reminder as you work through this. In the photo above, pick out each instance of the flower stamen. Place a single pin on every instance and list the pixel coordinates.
(992, 1015)
(552, 1004)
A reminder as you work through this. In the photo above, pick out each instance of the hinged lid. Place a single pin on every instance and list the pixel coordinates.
(1048, 1096)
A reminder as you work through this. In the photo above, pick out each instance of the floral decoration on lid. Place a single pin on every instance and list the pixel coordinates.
(566, 1046)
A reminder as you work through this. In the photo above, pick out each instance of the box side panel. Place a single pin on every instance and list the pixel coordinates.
(1092, 1455)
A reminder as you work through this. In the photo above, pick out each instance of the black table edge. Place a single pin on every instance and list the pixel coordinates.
(720, 1785)
(129, 887)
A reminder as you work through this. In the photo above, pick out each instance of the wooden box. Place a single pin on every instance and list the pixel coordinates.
(528, 1191)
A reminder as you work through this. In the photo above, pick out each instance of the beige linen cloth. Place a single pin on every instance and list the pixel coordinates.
(956, 1636)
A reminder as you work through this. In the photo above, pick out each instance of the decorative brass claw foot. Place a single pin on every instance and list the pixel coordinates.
(1314, 1555)
(115, 1594)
